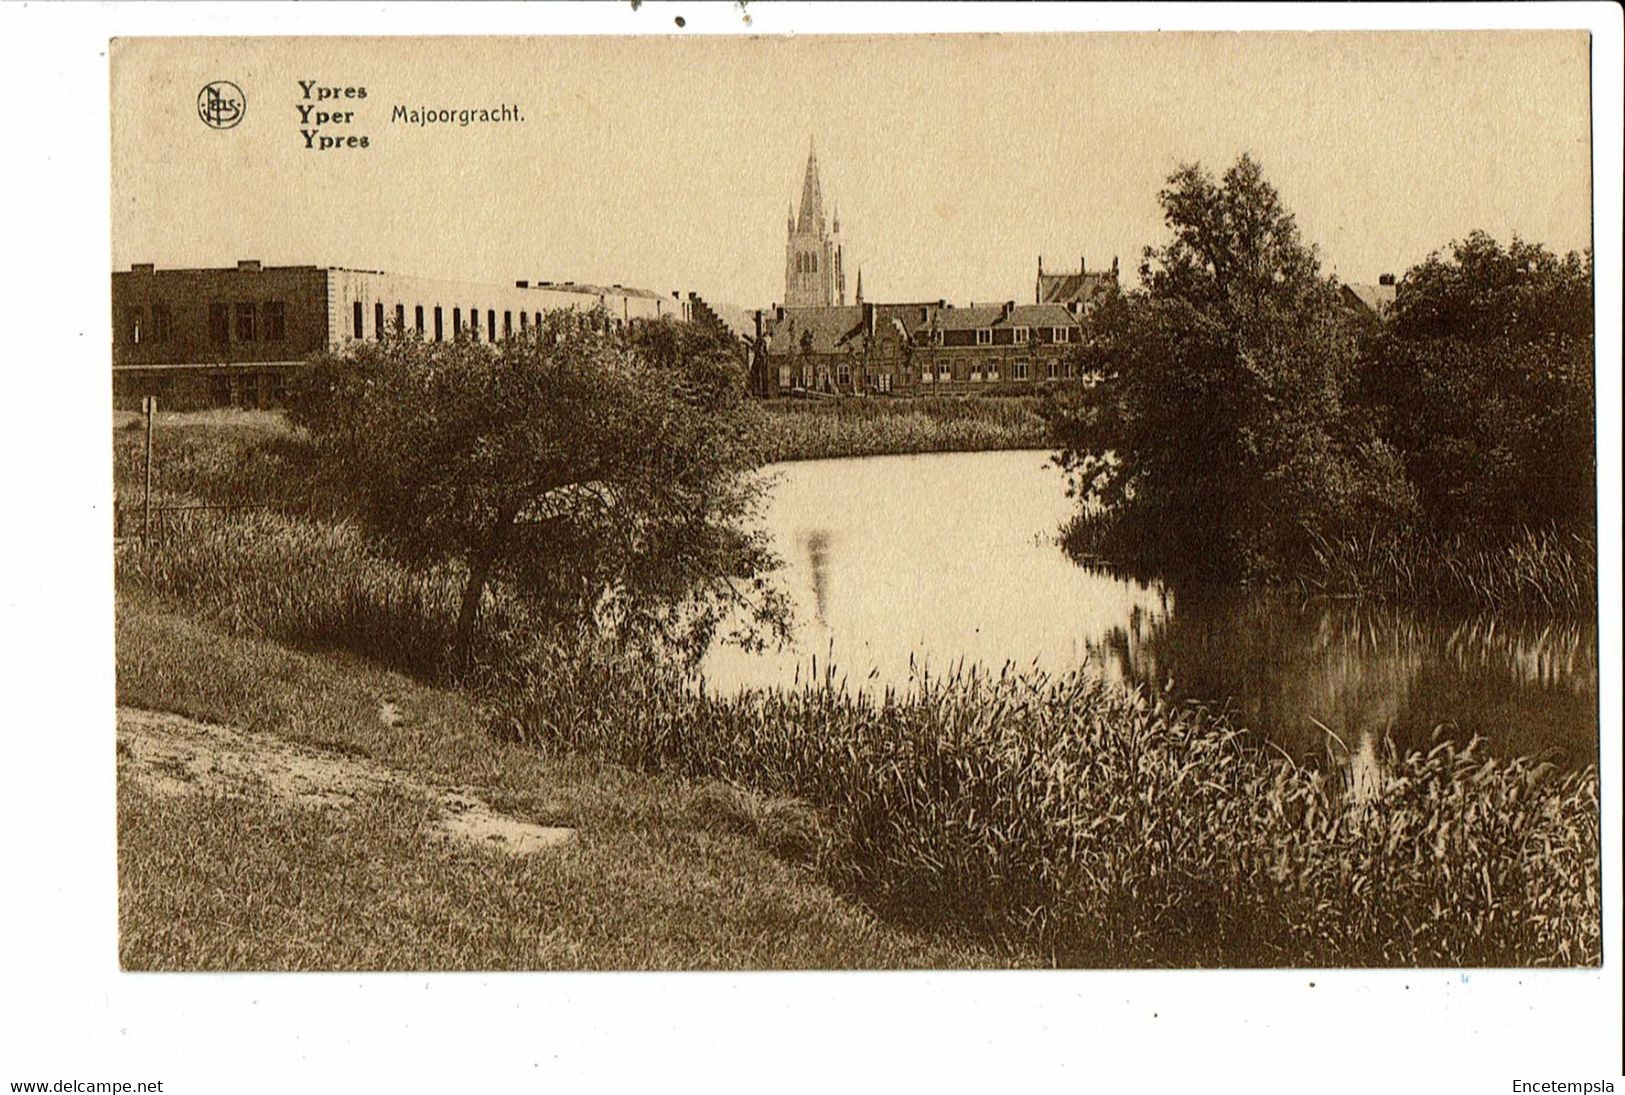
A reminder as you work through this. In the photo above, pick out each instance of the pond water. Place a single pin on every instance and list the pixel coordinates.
(899, 565)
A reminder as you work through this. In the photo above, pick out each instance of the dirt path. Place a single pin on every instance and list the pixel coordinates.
(173, 755)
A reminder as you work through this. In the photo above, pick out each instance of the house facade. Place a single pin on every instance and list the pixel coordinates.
(914, 348)
(232, 336)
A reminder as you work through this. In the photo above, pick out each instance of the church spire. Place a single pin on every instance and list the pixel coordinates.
(860, 285)
(812, 196)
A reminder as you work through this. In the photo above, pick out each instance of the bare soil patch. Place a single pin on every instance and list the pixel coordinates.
(174, 755)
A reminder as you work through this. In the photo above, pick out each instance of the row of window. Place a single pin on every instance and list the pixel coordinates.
(984, 335)
(267, 321)
(1019, 370)
(941, 373)
(240, 321)
(473, 324)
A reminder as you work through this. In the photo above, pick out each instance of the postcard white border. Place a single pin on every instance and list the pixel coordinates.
(70, 1013)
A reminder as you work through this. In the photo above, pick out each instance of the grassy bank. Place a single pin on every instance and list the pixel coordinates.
(814, 429)
(664, 874)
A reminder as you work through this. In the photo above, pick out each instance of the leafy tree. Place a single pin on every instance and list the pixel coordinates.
(1215, 438)
(604, 476)
(1485, 384)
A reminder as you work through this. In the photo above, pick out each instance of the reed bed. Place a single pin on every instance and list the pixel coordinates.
(1523, 572)
(1084, 822)
(1530, 571)
(795, 429)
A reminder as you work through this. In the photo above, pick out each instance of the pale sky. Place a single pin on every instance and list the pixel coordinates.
(956, 161)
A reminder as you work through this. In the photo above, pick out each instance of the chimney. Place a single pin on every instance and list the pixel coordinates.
(1114, 267)
(869, 319)
(1385, 279)
(521, 284)
(141, 268)
(248, 264)
(1009, 307)
(1083, 266)
(758, 324)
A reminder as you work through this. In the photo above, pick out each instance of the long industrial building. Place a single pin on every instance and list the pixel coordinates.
(230, 336)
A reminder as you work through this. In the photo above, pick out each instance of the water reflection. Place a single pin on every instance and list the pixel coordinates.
(1313, 675)
(950, 557)
(816, 546)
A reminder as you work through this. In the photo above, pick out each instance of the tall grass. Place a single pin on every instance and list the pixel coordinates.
(1519, 572)
(305, 583)
(1527, 571)
(817, 429)
(1078, 819)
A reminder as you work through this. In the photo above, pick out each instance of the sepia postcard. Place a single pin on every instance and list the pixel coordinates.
(1023, 495)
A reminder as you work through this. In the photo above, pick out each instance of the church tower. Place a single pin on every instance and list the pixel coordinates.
(813, 273)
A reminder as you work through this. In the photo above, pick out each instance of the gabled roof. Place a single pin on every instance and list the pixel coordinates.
(983, 316)
(1041, 315)
(973, 317)
(741, 322)
(833, 329)
(895, 321)
(1376, 299)
(1066, 288)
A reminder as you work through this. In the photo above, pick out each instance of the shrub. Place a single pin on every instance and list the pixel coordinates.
(605, 475)
(1217, 435)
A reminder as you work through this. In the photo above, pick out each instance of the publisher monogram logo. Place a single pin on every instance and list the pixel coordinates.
(221, 104)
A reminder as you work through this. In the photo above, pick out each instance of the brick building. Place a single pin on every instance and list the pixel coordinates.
(230, 336)
(900, 349)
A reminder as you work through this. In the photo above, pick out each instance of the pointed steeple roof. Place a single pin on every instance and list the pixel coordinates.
(812, 196)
